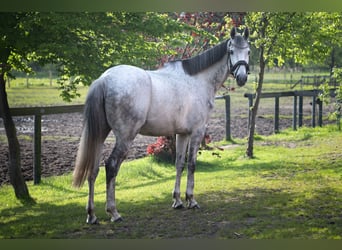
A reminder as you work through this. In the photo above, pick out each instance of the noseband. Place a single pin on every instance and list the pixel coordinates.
(237, 65)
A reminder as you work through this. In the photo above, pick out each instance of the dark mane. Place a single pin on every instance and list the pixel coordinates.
(202, 61)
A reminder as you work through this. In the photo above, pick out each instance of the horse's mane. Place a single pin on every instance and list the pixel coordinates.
(202, 61)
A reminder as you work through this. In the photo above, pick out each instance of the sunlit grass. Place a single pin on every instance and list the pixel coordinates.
(291, 189)
(39, 93)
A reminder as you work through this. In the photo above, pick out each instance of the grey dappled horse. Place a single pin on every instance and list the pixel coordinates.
(176, 99)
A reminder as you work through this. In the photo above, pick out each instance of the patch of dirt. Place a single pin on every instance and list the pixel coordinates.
(60, 138)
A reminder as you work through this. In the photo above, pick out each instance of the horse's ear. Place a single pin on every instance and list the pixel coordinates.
(233, 32)
(246, 33)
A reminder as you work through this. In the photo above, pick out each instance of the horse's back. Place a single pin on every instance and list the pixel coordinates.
(127, 97)
(160, 102)
(126, 75)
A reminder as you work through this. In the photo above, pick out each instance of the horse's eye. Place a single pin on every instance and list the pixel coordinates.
(231, 52)
(249, 52)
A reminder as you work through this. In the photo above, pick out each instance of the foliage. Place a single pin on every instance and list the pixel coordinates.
(84, 44)
(280, 36)
(164, 149)
(296, 37)
(326, 97)
(292, 190)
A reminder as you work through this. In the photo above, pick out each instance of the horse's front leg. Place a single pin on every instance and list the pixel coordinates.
(181, 144)
(192, 158)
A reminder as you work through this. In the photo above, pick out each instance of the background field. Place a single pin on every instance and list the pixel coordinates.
(25, 92)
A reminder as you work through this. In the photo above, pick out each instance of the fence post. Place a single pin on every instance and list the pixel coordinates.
(294, 122)
(320, 113)
(313, 117)
(228, 132)
(300, 111)
(37, 149)
(276, 114)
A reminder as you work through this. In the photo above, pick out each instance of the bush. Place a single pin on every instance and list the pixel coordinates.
(164, 149)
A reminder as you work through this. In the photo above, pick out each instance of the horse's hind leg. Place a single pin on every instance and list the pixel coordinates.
(113, 164)
(91, 217)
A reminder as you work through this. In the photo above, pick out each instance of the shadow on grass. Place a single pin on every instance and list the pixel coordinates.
(40, 220)
(240, 212)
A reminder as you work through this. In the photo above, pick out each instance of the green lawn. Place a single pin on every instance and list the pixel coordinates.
(291, 190)
(39, 93)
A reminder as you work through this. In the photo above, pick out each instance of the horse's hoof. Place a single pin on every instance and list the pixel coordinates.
(177, 205)
(193, 206)
(116, 220)
(92, 220)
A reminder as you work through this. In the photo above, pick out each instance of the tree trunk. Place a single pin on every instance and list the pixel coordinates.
(251, 129)
(15, 174)
(332, 62)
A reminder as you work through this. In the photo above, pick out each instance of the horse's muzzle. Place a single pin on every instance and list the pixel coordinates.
(241, 79)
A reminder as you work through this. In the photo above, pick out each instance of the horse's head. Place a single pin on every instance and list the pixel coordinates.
(238, 56)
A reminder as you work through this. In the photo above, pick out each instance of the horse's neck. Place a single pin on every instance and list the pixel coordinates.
(216, 74)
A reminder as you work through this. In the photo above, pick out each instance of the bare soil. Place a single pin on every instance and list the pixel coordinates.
(60, 138)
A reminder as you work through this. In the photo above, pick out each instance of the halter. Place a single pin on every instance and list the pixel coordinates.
(236, 66)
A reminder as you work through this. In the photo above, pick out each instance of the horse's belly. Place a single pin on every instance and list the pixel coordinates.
(163, 129)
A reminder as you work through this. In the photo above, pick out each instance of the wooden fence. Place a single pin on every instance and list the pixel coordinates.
(315, 81)
(37, 112)
(297, 105)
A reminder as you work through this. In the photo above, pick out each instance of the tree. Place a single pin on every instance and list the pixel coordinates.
(82, 45)
(269, 30)
(8, 44)
(302, 37)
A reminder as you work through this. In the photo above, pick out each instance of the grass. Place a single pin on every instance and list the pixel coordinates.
(291, 190)
(39, 93)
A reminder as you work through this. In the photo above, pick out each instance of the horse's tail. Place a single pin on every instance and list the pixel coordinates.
(95, 130)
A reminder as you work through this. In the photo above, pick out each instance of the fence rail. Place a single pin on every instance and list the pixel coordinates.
(50, 110)
(296, 104)
(315, 81)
